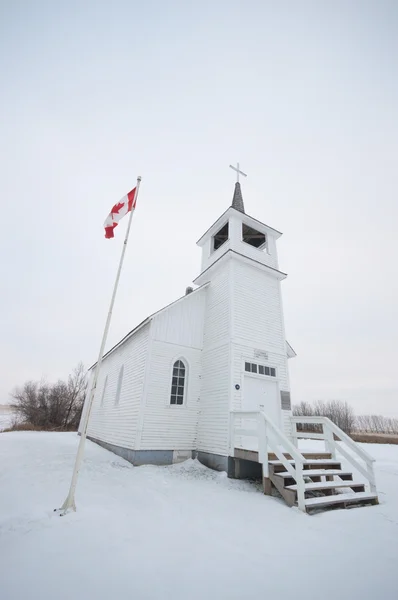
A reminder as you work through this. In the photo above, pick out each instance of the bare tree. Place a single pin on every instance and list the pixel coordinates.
(341, 413)
(376, 424)
(77, 386)
(52, 406)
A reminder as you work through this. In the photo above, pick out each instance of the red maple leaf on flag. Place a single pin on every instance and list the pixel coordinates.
(117, 208)
(118, 211)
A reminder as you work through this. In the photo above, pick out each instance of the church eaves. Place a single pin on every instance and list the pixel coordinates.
(237, 200)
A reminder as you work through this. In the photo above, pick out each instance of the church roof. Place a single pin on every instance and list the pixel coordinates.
(289, 351)
(237, 200)
(149, 319)
(280, 274)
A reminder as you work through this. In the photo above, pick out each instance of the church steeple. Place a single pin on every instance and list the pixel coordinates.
(239, 237)
(237, 200)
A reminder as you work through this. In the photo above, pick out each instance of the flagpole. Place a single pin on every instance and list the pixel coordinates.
(69, 503)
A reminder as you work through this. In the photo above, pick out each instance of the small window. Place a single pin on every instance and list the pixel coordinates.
(104, 391)
(119, 385)
(260, 369)
(253, 237)
(221, 237)
(178, 383)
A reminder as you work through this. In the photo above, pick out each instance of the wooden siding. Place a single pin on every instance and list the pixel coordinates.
(182, 323)
(176, 333)
(257, 328)
(165, 426)
(287, 426)
(217, 310)
(214, 396)
(213, 429)
(118, 424)
(257, 308)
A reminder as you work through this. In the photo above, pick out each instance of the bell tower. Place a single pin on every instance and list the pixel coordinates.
(244, 357)
(237, 232)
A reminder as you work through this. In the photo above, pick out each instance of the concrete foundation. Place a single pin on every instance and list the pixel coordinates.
(217, 462)
(146, 457)
(236, 468)
(239, 468)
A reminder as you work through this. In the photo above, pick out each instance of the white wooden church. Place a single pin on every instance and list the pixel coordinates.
(207, 377)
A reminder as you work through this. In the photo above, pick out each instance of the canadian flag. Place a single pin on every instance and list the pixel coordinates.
(118, 211)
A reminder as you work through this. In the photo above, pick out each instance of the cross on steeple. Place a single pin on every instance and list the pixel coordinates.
(237, 200)
(237, 172)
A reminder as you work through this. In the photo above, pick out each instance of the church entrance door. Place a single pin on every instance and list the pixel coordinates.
(259, 394)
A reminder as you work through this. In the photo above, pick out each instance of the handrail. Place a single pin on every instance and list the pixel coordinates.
(339, 432)
(264, 433)
(270, 436)
(292, 450)
(329, 428)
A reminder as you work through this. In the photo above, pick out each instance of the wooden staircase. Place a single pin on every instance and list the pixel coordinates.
(305, 479)
(326, 484)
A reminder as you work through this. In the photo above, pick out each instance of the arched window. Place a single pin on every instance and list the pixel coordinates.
(178, 383)
(104, 391)
(119, 385)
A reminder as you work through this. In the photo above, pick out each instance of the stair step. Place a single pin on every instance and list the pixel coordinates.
(316, 473)
(326, 485)
(351, 498)
(272, 456)
(307, 461)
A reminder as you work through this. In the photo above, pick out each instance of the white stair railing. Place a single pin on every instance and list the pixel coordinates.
(270, 438)
(329, 432)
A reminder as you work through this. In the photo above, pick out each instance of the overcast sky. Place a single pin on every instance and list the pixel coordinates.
(303, 94)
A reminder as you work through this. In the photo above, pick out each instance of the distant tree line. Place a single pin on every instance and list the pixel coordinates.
(342, 414)
(57, 406)
(376, 424)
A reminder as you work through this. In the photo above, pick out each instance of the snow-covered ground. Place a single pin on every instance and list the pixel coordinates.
(180, 532)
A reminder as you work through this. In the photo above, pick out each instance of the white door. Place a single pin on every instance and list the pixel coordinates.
(259, 395)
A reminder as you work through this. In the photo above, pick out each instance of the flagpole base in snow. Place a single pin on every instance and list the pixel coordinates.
(67, 507)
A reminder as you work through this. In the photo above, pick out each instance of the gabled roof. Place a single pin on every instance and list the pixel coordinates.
(149, 319)
(289, 350)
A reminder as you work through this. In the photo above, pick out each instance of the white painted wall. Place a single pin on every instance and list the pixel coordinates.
(214, 397)
(176, 333)
(210, 256)
(118, 424)
(181, 323)
(257, 308)
(257, 328)
(166, 426)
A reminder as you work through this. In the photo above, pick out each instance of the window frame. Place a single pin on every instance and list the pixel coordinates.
(212, 248)
(248, 364)
(104, 391)
(119, 386)
(263, 247)
(184, 362)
